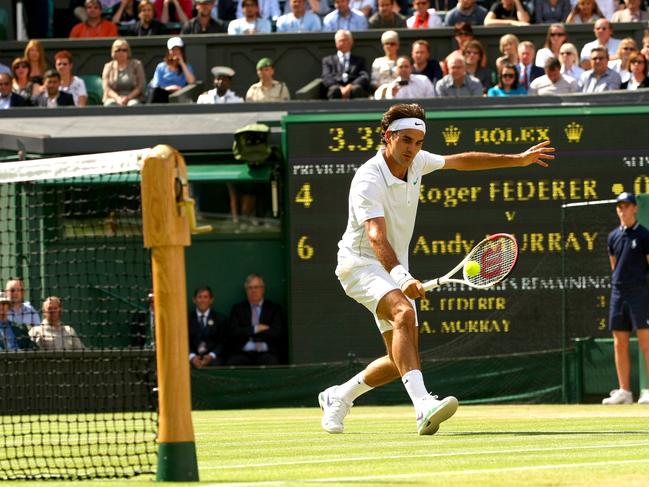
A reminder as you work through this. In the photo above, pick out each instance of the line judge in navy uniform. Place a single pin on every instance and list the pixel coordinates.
(628, 249)
(207, 330)
(256, 327)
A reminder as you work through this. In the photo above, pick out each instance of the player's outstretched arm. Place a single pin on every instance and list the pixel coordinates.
(476, 161)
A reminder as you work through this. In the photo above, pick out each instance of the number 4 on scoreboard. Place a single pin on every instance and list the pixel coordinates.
(303, 195)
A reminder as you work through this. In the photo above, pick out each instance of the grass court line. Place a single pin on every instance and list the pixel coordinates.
(421, 455)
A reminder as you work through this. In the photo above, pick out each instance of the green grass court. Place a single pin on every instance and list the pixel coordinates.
(571, 445)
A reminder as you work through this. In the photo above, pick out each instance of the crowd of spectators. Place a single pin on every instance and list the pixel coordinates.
(605, 63)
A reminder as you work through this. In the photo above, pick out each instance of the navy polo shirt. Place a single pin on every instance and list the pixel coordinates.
(630, 247)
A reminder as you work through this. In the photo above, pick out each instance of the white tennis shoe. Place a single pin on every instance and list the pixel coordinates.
(334, 410)
(644, 397)
(619, 396)
(431, 413)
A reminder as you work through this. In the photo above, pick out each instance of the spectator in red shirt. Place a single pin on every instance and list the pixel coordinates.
(94, 26)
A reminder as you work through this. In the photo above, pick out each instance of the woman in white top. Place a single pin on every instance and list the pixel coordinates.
(554, 39)
(383, 68)
(584, 12)
(638, 78)
(70, 83)
(627, 47)
(568, 58)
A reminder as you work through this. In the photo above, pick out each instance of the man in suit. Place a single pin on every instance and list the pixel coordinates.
(8, 99)
(51, 96)
(207, 330)
(527, 70)
(343, 74)
(256, 326)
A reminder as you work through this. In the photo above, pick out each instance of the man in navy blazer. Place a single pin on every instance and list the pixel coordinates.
(51, 96)
(527, 70)
(343, 74)
(207, 331)
(256, 327)
(8, 99)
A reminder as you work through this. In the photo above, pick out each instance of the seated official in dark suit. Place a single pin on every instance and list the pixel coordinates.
(8, 99)
(207, 330)
(51, 96)
(343, 74)
(256, 327)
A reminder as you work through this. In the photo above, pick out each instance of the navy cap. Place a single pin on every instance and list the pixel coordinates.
(626, 198)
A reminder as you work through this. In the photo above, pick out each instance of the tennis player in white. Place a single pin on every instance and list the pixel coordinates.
(373, 259)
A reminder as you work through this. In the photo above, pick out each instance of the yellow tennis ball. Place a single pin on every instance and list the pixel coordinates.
(472, 268)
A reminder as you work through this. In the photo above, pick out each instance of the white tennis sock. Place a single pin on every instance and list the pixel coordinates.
(414, 384)
(353, 388)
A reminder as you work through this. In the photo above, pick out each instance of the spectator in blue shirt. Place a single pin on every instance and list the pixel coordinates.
(268, 9)
(171, 74)
(344, 18)
(12, 337)
(20, 311)
(466, 11)
(251, 22)
(299, 20)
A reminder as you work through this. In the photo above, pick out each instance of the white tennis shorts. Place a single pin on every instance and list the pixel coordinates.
(367, 284)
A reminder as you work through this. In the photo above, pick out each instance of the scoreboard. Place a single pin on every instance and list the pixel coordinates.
(561, 284)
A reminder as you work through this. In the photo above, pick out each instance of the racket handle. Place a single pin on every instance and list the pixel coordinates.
(432, 284)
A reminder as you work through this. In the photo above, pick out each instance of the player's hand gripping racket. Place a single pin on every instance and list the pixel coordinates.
(488, 263)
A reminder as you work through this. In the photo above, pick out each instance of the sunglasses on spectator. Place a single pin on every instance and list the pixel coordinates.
(390, 43)
(21, 65)
(508, 75)
(121, 49)
(598, 58)
(558, 34)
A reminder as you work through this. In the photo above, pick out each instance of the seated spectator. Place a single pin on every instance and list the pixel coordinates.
(35, 54)
(600, 78)
(256, 326)
(526, 68)
(507, 82)
(406, 85)
(344, 75)
(603, 38)
(466, 11)
(251, 22)
(383, 68)
(462, 33)
(52, 96)
(645, 46)
(21, 311)
(638, 78)
(507, 12)
(632, 13)
(147, 25)
(508, 45)
(203, 23)
(9, 99)
(554, 39)
(208, 331)
(94, 25)
(226, 10)
(21, 83)
(123, 78)
(386, 17)
(299, 19)
(457, 82)
(318, 7)
(268, 9)
(52, 334)
(70, 83)
(124, 12)
(551, 11)
(173, 10)
(627, 47)
(366, 7)
(221, 92)
(568, 58)
(609, 7)
(423, 16)
(9, 342)
(171, 74)
(474, 55)
(344, 18)
(267, 88)
(423, 64)
(553, 82)
(584, 12)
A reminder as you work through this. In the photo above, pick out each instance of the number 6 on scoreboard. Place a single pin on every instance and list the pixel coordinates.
(490, 262)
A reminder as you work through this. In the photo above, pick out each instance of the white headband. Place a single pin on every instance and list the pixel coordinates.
(408, 123)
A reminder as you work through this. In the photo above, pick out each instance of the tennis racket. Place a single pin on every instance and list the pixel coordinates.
(496, 255)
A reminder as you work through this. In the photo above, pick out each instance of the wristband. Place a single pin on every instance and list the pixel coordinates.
(401, 276)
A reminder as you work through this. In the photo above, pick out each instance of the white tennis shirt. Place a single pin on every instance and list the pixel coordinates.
(376, 192)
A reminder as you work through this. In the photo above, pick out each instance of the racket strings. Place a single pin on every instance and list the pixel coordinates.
(496, 258)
